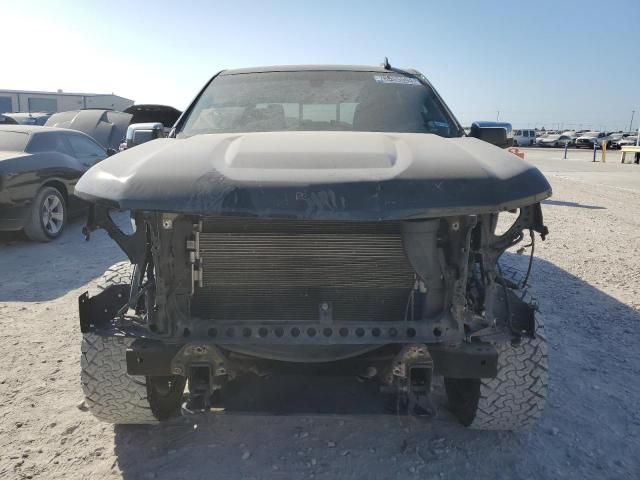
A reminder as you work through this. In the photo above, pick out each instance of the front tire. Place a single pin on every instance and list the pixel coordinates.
(111, 394)
(515, 398)
(48, 216)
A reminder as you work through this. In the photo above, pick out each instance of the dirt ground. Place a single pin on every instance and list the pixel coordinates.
(587, 279)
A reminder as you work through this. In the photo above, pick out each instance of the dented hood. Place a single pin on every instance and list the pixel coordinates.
(322, 175)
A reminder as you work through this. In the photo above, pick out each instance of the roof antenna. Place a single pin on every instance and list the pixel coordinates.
(386, 64)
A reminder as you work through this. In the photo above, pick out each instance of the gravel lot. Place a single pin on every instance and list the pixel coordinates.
(587, 279)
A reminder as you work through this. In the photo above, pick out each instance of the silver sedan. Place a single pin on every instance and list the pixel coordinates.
(553, 141)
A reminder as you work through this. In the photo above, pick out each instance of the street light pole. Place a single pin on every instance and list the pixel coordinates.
(633, 112)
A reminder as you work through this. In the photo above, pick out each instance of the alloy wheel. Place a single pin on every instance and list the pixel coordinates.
(52, 214)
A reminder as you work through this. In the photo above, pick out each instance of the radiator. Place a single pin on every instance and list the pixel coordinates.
(258, 269)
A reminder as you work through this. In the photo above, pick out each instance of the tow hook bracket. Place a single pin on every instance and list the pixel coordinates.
(206, 369)
(201, 388)
(412, 371)
(419, 401)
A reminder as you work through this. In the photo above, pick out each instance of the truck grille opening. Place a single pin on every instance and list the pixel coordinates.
(257, 269)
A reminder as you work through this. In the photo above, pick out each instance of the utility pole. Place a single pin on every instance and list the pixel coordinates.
(498, 116)
(633, 112)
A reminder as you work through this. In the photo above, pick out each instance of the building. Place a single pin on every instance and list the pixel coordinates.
(52, 102)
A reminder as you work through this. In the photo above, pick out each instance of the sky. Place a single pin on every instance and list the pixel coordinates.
(557, 64)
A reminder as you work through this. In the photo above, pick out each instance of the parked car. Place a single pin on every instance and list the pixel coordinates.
(590, 138)
(151, 113)
(572, 135)
(107, 127)
(39, 167)
(614, 138)
(524, 138)
(34, 118)
(627, 140)
(302, 216)
(554, 141)
(4, 120)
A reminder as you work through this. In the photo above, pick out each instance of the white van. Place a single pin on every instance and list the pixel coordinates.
(524, 138)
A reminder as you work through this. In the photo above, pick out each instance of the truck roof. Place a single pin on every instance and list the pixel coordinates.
(298, 68)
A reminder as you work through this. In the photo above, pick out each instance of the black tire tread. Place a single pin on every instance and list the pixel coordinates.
(110, 393)
(515, 398)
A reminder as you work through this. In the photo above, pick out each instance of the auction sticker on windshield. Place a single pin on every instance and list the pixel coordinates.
(396, 79)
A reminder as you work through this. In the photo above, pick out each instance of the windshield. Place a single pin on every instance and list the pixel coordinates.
(27, 121)
(13, 141)
(319, 101)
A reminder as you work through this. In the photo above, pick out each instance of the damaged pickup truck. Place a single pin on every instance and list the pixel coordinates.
(324, 216)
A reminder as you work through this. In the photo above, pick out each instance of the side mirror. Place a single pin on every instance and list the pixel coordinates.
(497, 133)
(138, 133)
(111, 151)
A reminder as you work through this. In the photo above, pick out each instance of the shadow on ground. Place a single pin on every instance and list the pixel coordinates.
(590, 427)
(33, 272)
(572, 204)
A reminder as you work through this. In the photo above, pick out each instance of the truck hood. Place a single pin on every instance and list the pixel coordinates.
(321, 175)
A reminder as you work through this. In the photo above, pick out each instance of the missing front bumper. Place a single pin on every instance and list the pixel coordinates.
(156, 355)
(154, 358)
